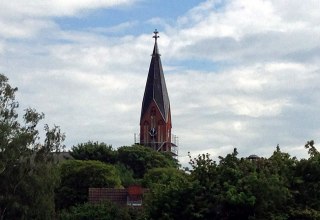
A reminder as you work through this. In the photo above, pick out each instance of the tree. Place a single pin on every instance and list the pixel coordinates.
(312, 150)
(256, 189)
(174, 200)
(103, 211)
(126, 175)
(26, 165)
(183, 198)
(306, 185)
(140, 159)
(163, 176)
(78, 176)
(231, 189)
(94, 151)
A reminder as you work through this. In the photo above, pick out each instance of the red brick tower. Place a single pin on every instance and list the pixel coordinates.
(155, 120)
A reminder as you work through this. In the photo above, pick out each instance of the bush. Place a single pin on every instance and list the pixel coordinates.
(102, 211)
(78, 176)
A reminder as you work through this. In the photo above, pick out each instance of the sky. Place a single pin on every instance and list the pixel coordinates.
(240, 74)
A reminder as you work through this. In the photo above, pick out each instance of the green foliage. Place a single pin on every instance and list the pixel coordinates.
(176, 200)
(103, 211)
(163, 176)
(140, 159)
(94, 151)
(232, 189)
(307, 185)
(78, 176)
(26, 166)
(304, 214)
(311, 149)
(204, 169)
(280, 187)
(126, 175)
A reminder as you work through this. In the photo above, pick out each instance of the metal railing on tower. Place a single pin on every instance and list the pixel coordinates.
(158, 146)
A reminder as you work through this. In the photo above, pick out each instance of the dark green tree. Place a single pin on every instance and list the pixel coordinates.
(307, 186)
(163, 176)
(27, 175)
(140, 159)
(78, 176)
(183, 198)
(126, 175)
(94, 151)
(232, 189)
(174, 200)
(103, 211)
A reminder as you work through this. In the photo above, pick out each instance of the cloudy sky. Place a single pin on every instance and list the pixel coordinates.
(240, 73)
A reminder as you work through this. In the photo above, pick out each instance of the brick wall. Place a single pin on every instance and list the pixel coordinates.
(118, 196)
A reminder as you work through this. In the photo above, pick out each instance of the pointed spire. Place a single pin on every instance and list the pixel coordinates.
(155, 49)
(156, 89)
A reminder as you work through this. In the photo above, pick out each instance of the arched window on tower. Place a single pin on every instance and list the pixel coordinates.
(161, 133)
(153, 111)
(153, 117)
(145, 132)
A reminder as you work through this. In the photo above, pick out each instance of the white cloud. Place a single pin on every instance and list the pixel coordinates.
(264, 90)
(24, 19)
(257, 105)
(238, 18)
(48, 8)
(244, 32)
(24, 28)
(294, 11)
(117, 28)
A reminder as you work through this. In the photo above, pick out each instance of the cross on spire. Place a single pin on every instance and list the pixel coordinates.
(155, 35)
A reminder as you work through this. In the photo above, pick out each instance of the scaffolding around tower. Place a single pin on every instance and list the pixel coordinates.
(171, 147)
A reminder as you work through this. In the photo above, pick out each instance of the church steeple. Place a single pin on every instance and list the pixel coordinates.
(155, 120)
(156, 89)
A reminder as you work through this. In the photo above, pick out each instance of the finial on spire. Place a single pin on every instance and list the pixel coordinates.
(155, 35)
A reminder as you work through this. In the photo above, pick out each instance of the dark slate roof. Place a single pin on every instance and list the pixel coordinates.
(156, 86)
